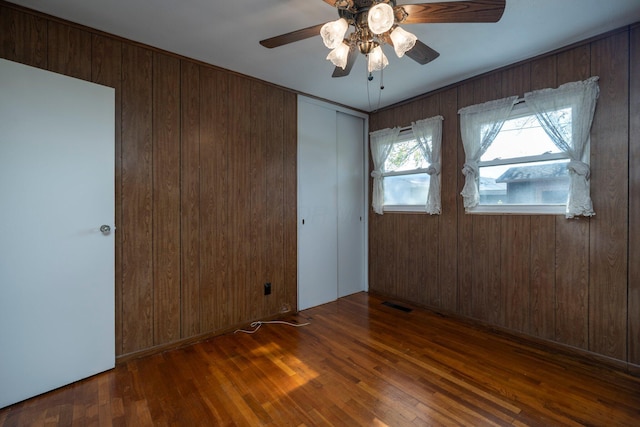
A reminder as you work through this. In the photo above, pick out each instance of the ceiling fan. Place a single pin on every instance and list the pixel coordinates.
(376, 22)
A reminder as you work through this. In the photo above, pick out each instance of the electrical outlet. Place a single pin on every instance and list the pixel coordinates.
(267, 288)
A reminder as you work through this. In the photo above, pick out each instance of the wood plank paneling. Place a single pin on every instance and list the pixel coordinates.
(274, 156)
(413, 281)
(572, 244)
(166, 198)
(543, 281)
(610, 156)
(23, 37)
(448, 241)
(69, 51)
(516, 80)
(259, 204)
(106, 69)
(137, 186)
(634, 201)
(239, 206)
(572, 280)
(213, 198)
(190, 198)
(544, 72)
(486, 238)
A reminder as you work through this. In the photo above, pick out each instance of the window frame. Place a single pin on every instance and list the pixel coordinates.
(522, 110)
(406, 134)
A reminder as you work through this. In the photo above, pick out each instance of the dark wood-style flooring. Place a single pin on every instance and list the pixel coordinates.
(358, 363)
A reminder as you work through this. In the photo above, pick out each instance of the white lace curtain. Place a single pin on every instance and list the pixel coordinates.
(381, 144)
(570, 133)
(479, 126)
(428, 133)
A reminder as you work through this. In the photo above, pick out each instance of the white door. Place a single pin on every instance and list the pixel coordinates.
(351, 191)
(56, 266)
(317, 206)
(331, 200)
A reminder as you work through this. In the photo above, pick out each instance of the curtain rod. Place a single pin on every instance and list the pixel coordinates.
(518, 101)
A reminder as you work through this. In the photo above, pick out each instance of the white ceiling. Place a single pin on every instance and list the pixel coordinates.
(226, 33)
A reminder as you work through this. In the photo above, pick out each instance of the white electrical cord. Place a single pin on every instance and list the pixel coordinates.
(257, 325)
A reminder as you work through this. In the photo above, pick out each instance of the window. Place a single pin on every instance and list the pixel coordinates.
(406, 182)
(523, 170)
(527, 159)
(406, 175)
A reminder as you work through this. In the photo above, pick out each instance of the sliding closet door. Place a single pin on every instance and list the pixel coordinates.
(317, 206)
(331, 203)
(351, 191)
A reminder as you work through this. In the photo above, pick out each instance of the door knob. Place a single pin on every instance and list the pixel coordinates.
(105, 229)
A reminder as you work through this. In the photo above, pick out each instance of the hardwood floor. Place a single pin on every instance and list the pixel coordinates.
(358, 362)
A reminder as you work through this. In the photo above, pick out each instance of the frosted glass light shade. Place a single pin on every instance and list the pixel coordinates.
(402, 41)
(380, 18)
(333, 32)
(377, 60)
(339, 56)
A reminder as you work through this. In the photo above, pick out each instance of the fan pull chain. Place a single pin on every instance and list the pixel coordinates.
(381, 88)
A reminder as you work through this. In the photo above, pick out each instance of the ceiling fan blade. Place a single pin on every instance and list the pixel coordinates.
(291, 37)
(421, 53)
(454, 11)
(351, 59)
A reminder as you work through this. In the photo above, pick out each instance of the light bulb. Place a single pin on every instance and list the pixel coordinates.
(339, 56)
(402, 41)
(333, 32)
(377, 59)
(380, 18)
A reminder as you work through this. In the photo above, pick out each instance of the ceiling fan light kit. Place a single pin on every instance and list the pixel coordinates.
(402, 41)
(376, 22)
(380, 18)
(333, 32)
(377, 60)
(339, 56)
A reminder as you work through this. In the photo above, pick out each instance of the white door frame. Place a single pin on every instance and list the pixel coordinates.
(365, 136)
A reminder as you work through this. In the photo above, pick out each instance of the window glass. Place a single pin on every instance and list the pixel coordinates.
(404, 156)
(520, 137)
(523, 166)
(531, 183)
(406, 182)
(409, 189)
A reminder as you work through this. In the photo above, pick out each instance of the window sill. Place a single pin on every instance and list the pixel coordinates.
(405, 209)
(518, 210)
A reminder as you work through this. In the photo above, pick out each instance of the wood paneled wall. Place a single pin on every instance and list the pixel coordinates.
(575, 282)
(205, 181)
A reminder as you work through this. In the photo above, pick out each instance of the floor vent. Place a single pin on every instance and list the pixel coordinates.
(397, 306)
